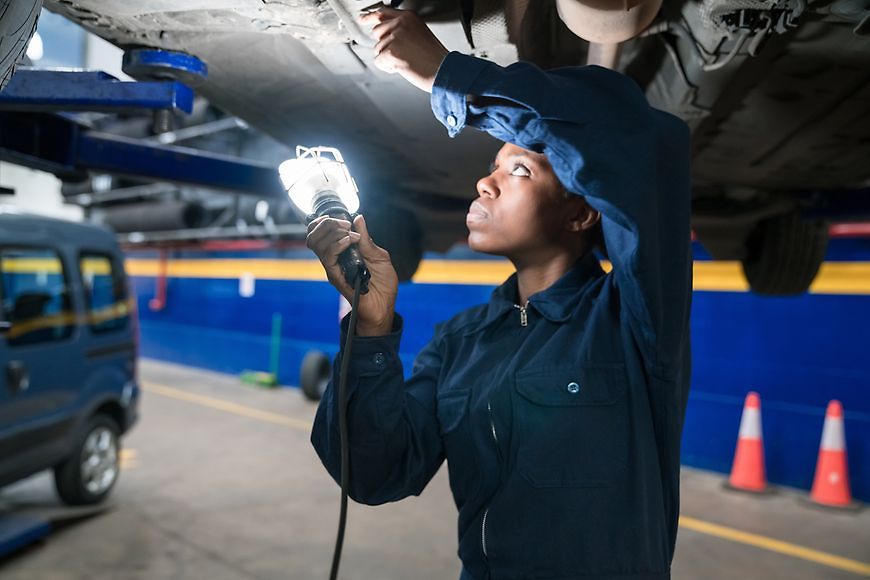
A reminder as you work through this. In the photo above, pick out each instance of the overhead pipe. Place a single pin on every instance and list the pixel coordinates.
(155, 216)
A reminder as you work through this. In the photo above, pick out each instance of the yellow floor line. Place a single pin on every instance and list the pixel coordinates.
(127, 459)
(225, 406)
(686, 522)
(778, 546)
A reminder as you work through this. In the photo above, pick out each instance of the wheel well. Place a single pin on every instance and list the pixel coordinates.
(111, 409)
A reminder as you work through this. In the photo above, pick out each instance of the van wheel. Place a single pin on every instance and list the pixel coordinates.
(784, 255)
(89, 474)
(17, 24)
(314, 374)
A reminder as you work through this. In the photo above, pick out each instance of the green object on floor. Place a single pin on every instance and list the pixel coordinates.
(259, 378)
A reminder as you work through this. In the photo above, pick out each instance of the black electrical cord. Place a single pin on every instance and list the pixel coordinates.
(342, 425)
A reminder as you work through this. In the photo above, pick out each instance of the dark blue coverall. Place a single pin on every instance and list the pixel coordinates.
(562, 437)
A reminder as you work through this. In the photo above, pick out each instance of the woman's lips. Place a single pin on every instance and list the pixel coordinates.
(476, 213)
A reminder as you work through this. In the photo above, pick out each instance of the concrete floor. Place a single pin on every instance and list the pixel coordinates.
(220, 482)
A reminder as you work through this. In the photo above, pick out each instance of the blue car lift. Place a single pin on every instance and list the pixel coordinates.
(38, 130)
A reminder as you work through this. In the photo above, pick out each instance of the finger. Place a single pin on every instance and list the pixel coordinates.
(320, 244)
(330, 246)
(325, 225)
(329, 223)
(380, 15)
(383, 44)
(384, 28)
(313, 223)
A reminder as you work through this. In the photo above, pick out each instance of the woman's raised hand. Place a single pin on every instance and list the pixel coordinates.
(405, 45)
(328, 237)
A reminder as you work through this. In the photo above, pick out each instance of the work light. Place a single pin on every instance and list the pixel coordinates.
(319, 183)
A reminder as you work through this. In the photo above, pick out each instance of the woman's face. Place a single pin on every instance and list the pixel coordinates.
(522, 209)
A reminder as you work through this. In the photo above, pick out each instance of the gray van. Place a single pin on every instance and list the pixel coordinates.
(68, 345)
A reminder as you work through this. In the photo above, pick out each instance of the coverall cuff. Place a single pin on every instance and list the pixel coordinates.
(455, 77)
(372, 355)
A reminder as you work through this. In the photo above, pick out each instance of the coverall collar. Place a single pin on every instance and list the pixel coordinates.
(555, 303)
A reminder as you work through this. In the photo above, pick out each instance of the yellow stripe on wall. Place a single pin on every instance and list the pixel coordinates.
(719, 277)
(229, 268)
(833, 278)
(31, 265)
(93, 266)
(842, 278)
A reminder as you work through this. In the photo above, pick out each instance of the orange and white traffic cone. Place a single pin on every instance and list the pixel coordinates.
(831, 483)
(747, 472)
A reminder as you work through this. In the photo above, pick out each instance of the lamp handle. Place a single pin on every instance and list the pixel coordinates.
(350, 260)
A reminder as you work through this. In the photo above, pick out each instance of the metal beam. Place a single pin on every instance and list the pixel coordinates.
(60, 145)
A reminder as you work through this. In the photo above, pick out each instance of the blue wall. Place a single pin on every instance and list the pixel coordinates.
(798, 353)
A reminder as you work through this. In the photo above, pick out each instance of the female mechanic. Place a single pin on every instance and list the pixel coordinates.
(559, 404)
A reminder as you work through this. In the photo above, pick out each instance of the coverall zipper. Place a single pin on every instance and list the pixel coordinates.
(524, 315)
(498, 450)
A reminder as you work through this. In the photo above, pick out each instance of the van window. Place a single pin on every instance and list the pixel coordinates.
(105, 292)
(35, 296)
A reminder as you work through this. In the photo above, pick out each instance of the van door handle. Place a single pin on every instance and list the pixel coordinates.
(17, 377)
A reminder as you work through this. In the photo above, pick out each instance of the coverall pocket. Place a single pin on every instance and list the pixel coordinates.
(572, 425)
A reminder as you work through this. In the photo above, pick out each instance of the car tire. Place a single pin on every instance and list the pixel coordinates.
(91, 471)
(314, 374)
(785, 254)
(17, 24)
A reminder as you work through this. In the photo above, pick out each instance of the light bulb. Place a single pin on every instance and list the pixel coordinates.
(317, 175)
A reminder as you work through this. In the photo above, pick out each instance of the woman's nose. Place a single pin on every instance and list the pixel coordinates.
(486, 187)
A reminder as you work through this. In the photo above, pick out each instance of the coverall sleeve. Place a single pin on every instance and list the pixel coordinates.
(395, 442)
(605, 142)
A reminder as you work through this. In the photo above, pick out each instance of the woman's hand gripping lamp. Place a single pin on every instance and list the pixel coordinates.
(319, 184)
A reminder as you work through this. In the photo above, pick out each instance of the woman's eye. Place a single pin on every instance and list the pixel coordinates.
(521, 171)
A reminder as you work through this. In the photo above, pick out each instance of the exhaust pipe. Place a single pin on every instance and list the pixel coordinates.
(607, 21)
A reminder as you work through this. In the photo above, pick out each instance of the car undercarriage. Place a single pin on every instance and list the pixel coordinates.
(776, 92)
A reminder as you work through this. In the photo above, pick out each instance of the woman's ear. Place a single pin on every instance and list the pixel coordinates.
(582, 216)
